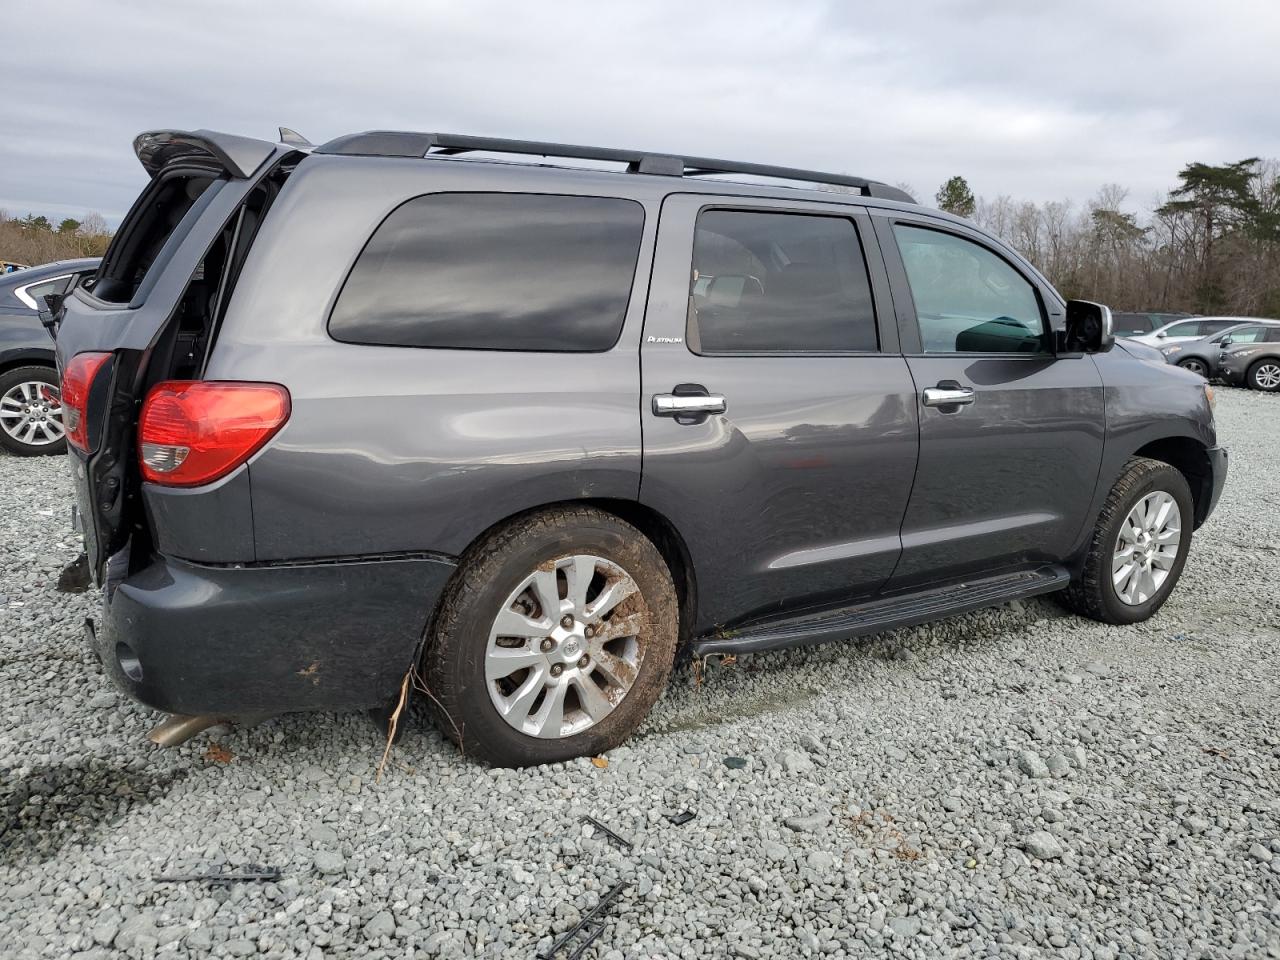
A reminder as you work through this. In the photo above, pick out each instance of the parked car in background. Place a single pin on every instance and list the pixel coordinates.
(1192, 329)
(1254, 362)
(1140, 324)
(30, 409)
(345, 412)
(1201, 355)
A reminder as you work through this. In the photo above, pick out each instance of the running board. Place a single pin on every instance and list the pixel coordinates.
(875, 616)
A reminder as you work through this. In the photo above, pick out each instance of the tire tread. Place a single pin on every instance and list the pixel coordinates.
(1085, 594)
(477, 567)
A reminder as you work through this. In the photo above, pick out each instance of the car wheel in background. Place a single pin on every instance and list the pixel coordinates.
(1264, 375)
(31, 412)
(553, 640)
(1139, 545)
(1195, 365)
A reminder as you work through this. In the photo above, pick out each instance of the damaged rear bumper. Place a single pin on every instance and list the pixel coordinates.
(231, 641)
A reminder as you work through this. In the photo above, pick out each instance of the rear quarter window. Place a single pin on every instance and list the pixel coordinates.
(494, 271)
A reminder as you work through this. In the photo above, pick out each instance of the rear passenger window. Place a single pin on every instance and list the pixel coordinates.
(494, 271)
(778, 283)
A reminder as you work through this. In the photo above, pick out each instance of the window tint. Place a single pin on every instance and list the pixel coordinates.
(779, 283)
(494, 271)
(165, 211)
(34, 294)
(1248, 335)
(968, 299)
(1273, 334)
(41, 290)
(1131, 324)
(1214, 326)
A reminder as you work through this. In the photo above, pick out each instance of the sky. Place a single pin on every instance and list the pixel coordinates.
(1035, 100)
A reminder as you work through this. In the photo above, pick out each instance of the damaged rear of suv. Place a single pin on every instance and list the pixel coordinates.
(338, 414)
(159, 451)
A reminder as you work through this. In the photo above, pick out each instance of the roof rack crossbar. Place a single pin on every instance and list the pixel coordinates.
(401, 144)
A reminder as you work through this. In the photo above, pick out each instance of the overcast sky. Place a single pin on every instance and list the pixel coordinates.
(1039, 100)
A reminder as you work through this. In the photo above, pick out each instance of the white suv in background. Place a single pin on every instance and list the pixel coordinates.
(1192, 329)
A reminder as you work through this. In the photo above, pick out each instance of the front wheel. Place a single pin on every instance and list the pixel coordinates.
(1139, 545)
(31, 412)
(1265, 375)
(1196, 366)
(554, 639)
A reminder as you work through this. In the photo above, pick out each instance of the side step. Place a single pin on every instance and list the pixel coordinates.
(876, 616)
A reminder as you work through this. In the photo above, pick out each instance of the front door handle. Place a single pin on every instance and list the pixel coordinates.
(948, 394)
(675, 404)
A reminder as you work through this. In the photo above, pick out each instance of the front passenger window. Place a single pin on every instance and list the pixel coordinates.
(968, 299)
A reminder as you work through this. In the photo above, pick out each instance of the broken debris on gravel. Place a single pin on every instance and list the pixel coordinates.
(1016, 782)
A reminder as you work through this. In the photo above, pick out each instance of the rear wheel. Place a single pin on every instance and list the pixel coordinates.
(554, 639)
(1139, 545)
(1195, 365)
(1264, 375)
(31, 412)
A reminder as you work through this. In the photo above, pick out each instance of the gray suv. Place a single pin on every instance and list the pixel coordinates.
(397, 411)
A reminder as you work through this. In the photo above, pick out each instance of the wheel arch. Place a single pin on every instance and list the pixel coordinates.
(12, 359)
(1189, 457)
(1248, 371)
(654, 525)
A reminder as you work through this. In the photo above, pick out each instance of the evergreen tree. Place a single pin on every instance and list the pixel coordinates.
(954, 196)
(1220, 200)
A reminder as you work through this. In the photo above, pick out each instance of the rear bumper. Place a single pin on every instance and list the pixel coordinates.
(195, 639)
(1218, 470)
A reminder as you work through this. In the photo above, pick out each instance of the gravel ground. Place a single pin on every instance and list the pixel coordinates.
(1016, 782)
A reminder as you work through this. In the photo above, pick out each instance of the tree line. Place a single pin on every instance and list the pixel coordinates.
(33, 240)
(1211, 246)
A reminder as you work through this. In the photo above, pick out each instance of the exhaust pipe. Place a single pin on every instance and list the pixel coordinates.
(178, 729)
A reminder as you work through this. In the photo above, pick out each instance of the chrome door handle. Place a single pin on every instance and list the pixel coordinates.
(674, 404)
(947, 396)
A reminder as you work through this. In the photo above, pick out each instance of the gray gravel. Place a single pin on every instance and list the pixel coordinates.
(1015, 782)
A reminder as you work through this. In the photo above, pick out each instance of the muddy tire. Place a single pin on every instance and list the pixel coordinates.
(553, 640)
(1139, 546)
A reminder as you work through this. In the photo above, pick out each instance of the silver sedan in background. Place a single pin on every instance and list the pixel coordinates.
(1202, 354)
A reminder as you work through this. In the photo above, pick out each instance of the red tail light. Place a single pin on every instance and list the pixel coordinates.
(195, 431)
(77, 379)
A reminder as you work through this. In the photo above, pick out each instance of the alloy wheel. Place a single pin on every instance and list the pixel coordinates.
(1267, 376)
(1146, 548)
(566, 647)
(1195, 366)
(31, 413)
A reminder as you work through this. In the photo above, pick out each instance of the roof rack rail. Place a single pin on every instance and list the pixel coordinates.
(393, 143)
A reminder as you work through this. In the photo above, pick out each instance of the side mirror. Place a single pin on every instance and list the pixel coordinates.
(1089, 329)
(1162, 334)
(1224, 341)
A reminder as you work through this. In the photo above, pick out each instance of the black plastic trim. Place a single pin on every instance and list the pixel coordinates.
(233, 641)
(888, 613)
(396, 143)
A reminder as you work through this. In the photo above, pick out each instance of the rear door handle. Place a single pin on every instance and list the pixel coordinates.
(947, 395)
(675, 405)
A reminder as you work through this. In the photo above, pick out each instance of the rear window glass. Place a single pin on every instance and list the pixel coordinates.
(494, 271)
(1129, 324)
(152, 222)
